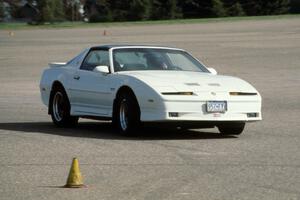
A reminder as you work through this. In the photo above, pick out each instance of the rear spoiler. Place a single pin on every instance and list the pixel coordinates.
(57, 64)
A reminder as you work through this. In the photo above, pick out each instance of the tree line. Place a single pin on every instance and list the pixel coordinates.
(136, 10)
(126, 10)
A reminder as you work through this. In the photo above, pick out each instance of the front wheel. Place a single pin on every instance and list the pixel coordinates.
(60, 109)
(231, 128)
(127, 114)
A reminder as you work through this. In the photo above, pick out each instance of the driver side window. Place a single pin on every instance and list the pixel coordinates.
(95, 58)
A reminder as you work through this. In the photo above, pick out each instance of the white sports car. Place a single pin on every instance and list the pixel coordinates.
(132, 85)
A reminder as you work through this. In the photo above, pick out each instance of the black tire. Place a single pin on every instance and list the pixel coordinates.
(126, 118)
(59, 108)
(231, 128)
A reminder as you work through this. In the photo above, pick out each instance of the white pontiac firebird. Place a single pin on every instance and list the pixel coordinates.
(131, 85)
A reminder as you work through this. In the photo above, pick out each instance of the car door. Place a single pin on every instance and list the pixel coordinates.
(90, 91)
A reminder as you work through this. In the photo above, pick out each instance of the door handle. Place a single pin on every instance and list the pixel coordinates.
(76, 77)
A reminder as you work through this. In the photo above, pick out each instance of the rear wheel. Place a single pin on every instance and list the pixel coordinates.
(127, 114)
(60, 109)
(231, 128)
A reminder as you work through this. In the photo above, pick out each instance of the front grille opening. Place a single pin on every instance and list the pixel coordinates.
(173, 114)
(242, 93)
(252, 115)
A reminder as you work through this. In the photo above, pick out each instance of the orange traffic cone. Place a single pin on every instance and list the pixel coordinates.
(75, 178)
(104, 33)
(11, 33)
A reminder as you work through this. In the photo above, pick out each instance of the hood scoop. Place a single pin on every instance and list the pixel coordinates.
(214, 84)
(192, 84)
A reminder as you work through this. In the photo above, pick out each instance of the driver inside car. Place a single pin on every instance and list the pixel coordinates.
(155, 62)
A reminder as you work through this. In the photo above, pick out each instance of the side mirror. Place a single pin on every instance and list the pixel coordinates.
(103, 69)
(212, 70)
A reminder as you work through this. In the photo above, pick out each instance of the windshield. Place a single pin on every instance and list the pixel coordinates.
(133, 59)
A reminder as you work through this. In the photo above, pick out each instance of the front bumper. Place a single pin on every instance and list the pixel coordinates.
(246, 111)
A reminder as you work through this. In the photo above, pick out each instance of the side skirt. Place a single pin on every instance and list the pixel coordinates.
(96, 118)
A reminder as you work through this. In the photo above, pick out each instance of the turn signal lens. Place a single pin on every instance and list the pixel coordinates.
(242, 93)
(177, 93)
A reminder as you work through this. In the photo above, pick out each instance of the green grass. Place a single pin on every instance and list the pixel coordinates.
(15, 26)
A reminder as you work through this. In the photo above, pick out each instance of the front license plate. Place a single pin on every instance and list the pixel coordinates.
(216, 106)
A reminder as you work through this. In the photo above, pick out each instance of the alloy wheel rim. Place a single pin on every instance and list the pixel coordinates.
(58, 109)
(124, 115)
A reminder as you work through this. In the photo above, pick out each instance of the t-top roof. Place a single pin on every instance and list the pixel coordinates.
(109, 46)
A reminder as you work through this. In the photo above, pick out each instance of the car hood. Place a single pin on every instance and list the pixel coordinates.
(169, 81)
